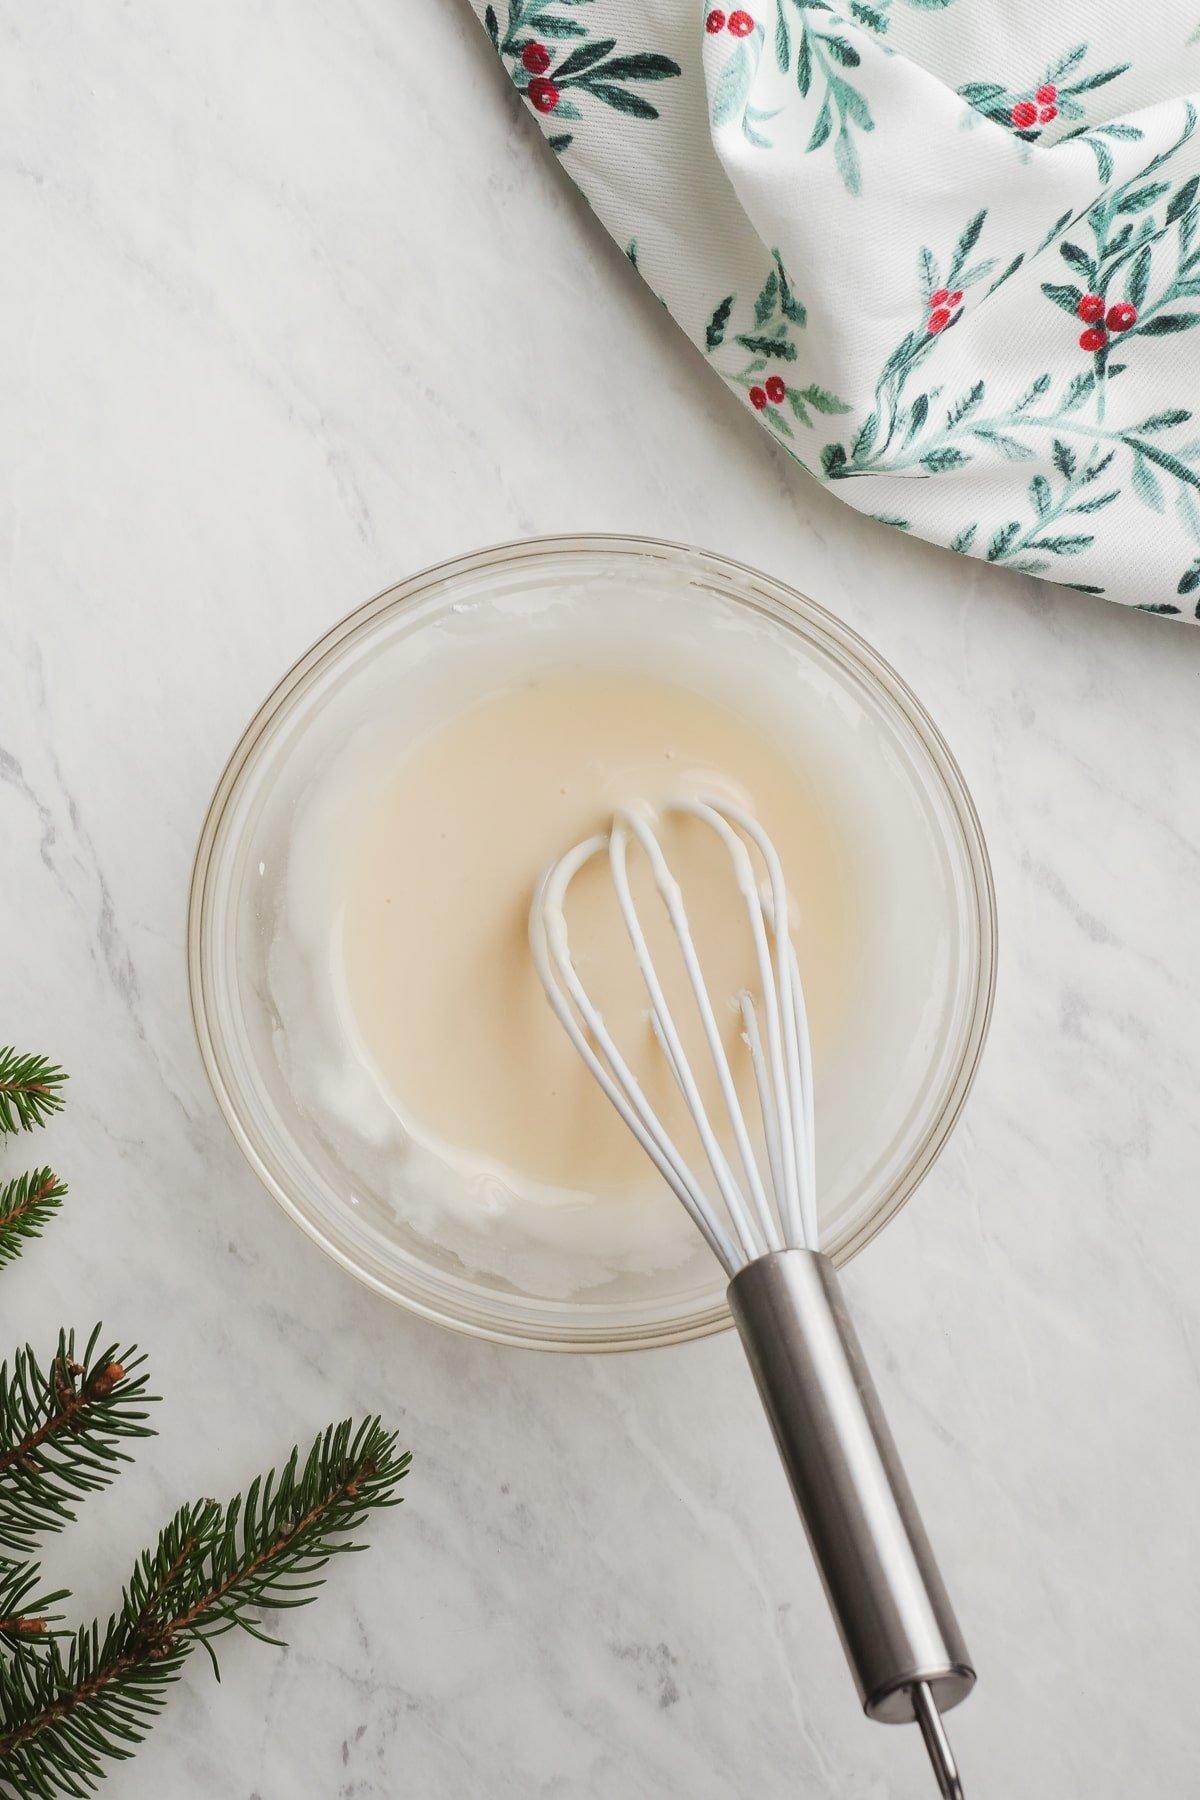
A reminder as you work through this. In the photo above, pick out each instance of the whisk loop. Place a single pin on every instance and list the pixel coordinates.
(768, 1210)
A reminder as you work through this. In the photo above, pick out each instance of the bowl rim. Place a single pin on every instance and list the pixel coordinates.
(870, 663)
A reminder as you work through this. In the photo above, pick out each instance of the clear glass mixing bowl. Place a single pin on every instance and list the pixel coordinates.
(921, 809)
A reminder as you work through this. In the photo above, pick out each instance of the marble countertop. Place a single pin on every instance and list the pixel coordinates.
(295, 303)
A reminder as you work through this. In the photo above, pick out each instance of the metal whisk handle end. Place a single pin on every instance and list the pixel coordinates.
(901, 1637)
(937, 1743)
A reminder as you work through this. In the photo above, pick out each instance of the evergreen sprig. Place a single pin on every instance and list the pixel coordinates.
(30, 1090)
(73, 1701)
(65, 1711)
(61, 1430)
(27, 1202)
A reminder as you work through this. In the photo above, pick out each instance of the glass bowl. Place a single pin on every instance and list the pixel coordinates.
(927, 951)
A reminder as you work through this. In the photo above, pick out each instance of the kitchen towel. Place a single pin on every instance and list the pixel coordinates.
(948, 252)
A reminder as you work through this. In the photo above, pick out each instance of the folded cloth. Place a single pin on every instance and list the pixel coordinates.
(948, 253)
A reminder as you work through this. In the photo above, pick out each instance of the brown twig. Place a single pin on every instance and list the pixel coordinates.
(33, 1198)
(72, 1401)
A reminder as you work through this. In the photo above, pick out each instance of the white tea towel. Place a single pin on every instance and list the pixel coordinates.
(948, 252)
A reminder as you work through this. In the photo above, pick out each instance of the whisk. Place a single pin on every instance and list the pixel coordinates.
(901, 1638)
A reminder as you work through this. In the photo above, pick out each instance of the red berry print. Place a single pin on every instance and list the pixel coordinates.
(1094, 338)
(1024, 114)
(940, 298)
(1047, 113)
(954, 299)
(543, 93)
(776, 390)
(1121, 317)
(740, 23)
(1047, 94)
(715, 22)
(1090, 309)
(758, 398)
(536, 58)
(939, 319)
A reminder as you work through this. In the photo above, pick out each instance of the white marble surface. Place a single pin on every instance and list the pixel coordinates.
(293, 302)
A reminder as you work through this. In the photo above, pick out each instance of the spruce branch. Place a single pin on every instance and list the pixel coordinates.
(65, 1711)
(73, 1701)
(61, 1431)
(30, 1090)
(27, 1202)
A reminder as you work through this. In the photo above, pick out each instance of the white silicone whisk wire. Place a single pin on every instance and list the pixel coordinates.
(769, 1208)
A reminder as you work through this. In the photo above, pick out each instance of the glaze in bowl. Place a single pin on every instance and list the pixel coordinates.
(891, 1095)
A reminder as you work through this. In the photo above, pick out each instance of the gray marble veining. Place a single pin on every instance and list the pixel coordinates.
(294, 303)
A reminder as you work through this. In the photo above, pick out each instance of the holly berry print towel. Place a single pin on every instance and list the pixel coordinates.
(948, 253)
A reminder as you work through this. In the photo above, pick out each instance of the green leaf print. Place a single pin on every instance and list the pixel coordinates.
(822, 54)
(585, 56)
(964, 247)
(825, 402)
(551, 27)
(1064, 458)
(1042, 101)
(1168, 322)
(1066, 297)
(1003, 540)
(551, 58)
(624, 100)
(770, 345)
(1184, 200)
(714, 334)
(732, 87)
(764, 306)
(876, 14)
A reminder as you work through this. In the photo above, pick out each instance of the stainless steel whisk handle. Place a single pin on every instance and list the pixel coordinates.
(901, 1637)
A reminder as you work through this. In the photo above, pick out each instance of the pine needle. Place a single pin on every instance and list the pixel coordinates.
(65, 1711)
(29, 1090)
